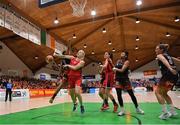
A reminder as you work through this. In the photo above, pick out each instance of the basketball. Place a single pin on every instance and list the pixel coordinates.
(49, 58)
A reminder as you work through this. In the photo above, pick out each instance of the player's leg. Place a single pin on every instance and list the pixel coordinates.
(168, 98)
(159, 95)
(78, 94)
(133, 98)
(62, 82)
(120, 100)
(109, 94)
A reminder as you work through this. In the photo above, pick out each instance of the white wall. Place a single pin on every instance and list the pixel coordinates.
(9, 61)
(90, 69)
(47, 71)
(153, 65)
(138, 73)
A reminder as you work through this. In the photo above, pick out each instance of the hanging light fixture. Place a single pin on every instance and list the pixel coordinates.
(136, 48)
(137, 60)
(85, 46)
(137, 20)
(176, 19)
(36, 57)
(93, 12)
(109, 43)
(56, 21)
(113, 50)
(74, 36)
(138, 2)
(167, 34)
(92, 52)
(137, 38)
(104, 30)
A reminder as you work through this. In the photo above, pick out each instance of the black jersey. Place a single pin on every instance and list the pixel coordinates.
(65, 61)
(121, 75)
(163, 68)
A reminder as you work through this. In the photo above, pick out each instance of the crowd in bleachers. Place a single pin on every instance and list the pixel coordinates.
(28, 83)
(147, 83)
(31, 83)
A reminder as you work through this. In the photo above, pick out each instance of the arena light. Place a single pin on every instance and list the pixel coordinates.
(167, 34)
(137, 60)
(56, 21)
(104, 30)
(176, 19)
(93, 12)
(137, 38)
(139, 2)
(137, 20)
(92, 52)
(74, 36)
(85, 46)
(36, 57)
(136, 48)
(113, 50)
(109, 43)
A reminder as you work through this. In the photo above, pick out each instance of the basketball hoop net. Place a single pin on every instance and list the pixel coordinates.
(78, 7)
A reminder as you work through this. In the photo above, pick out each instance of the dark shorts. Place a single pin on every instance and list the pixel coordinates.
(168, 80)
(168, 77)
(123, 83)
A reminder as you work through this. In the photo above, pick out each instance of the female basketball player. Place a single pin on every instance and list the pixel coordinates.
(63, 75)
(109, 81)
(74, 76)
(123, 83)
(168, 79)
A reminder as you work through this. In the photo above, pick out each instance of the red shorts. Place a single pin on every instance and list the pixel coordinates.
(74, 81)
(109, 80)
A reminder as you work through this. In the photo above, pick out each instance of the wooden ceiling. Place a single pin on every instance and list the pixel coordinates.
(117, 16)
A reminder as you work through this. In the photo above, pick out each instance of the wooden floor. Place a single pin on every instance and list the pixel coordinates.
(26, 104)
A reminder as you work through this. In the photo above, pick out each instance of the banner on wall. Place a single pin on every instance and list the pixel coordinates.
(150, 72)
(34, 34)
(42, 77)
(24, 28)
(9, 16)
(2, 15)
(16, 93)
(13, 73)
(17, 25)
(37, 35)
(46, 92)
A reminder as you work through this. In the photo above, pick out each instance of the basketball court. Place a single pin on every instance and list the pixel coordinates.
(33, 33)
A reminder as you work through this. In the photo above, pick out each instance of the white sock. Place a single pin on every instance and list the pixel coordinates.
(171, 107)
(164, 108)
(122, 109)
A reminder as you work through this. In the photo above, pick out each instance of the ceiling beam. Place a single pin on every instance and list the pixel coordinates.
(90, 20)
(123, 14)
(115, 8)
(122, 34)
(91, 32)
(155, 22)
(118, 51)
(9, 37)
